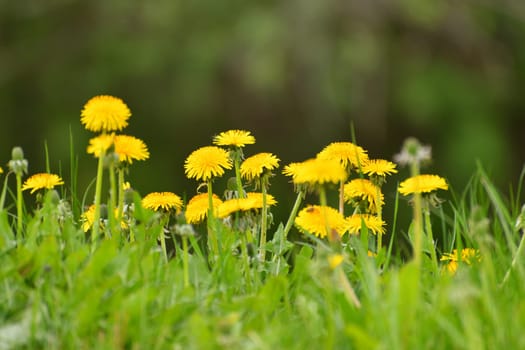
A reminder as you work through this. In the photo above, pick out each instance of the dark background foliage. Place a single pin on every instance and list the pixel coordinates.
(296, 73)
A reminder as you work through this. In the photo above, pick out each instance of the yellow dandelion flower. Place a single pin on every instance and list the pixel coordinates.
(379, 167)
(237, 138)
(87, 218)
(207, 162)
(345, 152)
(315, 219)
(252, 200)
(197, 207)
(422, 184)
(291, 170)
(130, 148)
(105, 113)
(467, 255)
(363, 189)
(372, 222)
(1, 170)
(254, 166)
(162, 200)
(317, 171)
(41, 181)
(335, 260)
(100, 144)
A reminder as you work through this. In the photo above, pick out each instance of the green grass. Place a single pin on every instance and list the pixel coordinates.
(56, 293)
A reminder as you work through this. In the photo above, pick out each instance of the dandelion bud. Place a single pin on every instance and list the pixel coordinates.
(17, 153)
(17, 164)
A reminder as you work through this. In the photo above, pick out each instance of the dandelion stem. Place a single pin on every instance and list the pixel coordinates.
(237, 159)
(212, 238)
(342, 198)
(418, 227)
(293, 213)
(98, 194)
(264, 218)
(4, 191)
(19, 204)
(428, 230)
(185, 261)
(120, 210)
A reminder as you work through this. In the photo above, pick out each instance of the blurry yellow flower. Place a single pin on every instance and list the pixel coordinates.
(87, 218)
(41, 181)
(422, 184)
(335, 260)
(197, 207)
(345, 152)
(467, 255)
(105, 113)
(363, 189)
(207, 162)
(372, 222)
(237, 138)
(1, 170)
(252, 200)
(129, 148)
(317, 171)
(100, 144)
(162, 200)
(379, 167)
(315, 219)
(254, 166)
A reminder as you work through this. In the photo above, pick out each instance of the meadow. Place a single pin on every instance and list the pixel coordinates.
(108, 268)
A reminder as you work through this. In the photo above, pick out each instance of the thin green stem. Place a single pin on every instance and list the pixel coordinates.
(517, 256)
(19, 204)
(98, 194)
(212, 238)
(430, 237)
(120, 209)
(293, 213)
(112, 201)
(342, 198)
(185, 261)
(380, 216)
(246, 261)
(237, 160)
(4, 191)
(418, 226)
(264, 218)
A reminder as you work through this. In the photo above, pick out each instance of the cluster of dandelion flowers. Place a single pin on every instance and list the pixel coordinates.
(422, 184)
(198, 206)
(316, 171)
(379, 167)
(207, 162)
(363, 189)
(100, 144)
(345, 152)
(105, 113)
(165, 201)
(315, 219)
(372, 222)
(255, 166)
(130, 148)
(235, 138)
(467, 255)
(42, 181)
(252, 201)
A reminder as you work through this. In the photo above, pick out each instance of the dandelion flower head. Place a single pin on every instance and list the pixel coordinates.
(253, 200)
(372, 222)
(315, 219)
(317, 171)
(422, 184)
(363, 189)
(379, 167)
(100, 144)
(236, 138)
(105, 113)
(130, 148)
(162, 201)
(87, 218)
(254, 166)
(206, 163)
(345, 152)
(41, 181)
(197, 207)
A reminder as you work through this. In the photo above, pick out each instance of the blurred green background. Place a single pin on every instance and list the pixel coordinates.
(296, 73)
